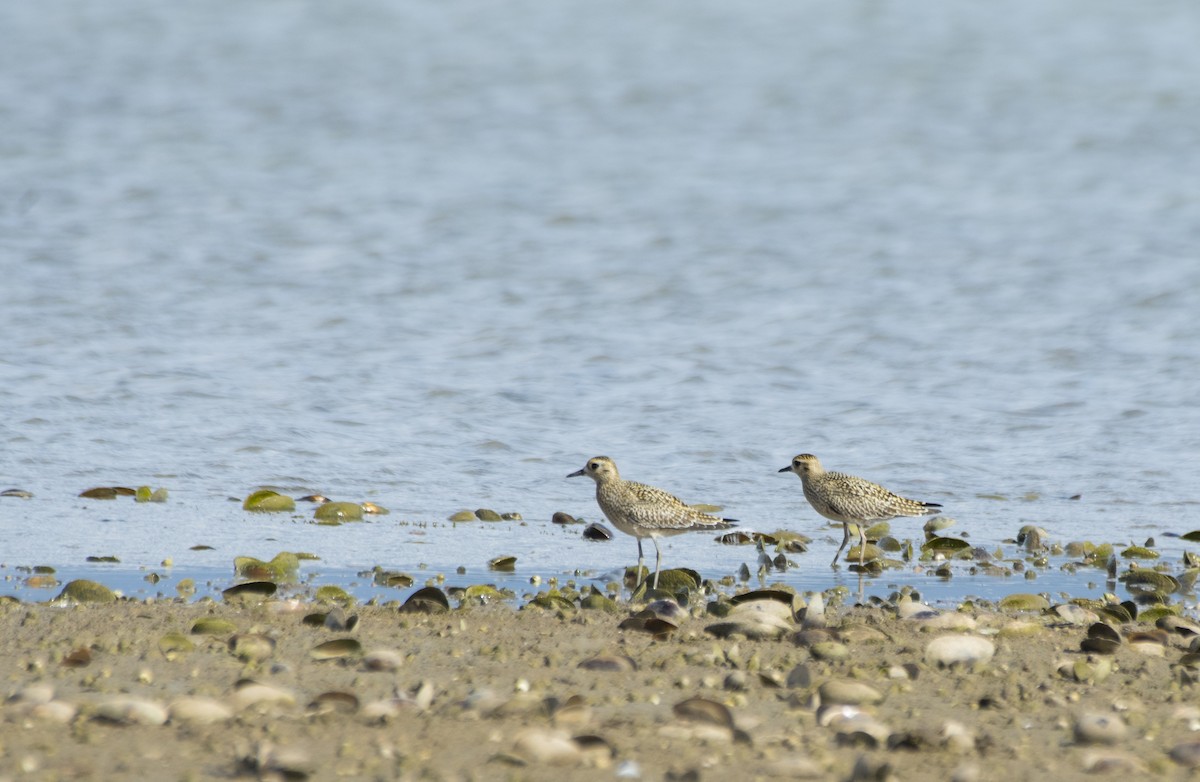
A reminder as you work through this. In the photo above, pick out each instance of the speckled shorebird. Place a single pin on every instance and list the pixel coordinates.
(848, 499)
(644, 511)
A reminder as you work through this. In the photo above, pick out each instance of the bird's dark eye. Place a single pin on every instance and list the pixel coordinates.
(594, 466)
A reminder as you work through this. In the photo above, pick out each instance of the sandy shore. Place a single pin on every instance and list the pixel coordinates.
(128, 690)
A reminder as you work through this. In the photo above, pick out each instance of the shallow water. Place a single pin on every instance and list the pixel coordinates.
(437, 255)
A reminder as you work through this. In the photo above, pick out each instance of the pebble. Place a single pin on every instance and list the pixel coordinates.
(198, 710)
(948, 650)
(543, 745)
(756, 620)
(1106, 762)
(255, 694)
(54, 711)
(132, 711)
(1186, 754)
(1100, 729)
(849, 692)
(383, 660)
(830, 651)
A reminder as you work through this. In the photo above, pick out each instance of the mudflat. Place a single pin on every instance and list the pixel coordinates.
(290, 689)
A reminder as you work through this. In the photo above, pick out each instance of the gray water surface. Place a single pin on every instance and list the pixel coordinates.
(436, 255)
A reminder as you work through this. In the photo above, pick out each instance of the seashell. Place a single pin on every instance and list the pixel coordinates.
(249, 693)
(946, 620)
(560, 517)
(338, 648)
(59, 712)
(428, 600)
(381, 711)
(334, 702)
(1173, 623)
(267, 501)
(646, 621)
(678, 580)
(907, 608)
(1099, 645)
(463, 515)
(199, 711)
(945, 545)
(338, 512)
(830, 651)
(609, 662)
(596, 750)
(599, 602)
(1106, 762)
(596, 532)
(1075, 614)
(383, 660)
(735, 538)
(34, 694)
(849, 692)
(1096, 670)
(951, 650)
(1186, 754)
(856, 634)
(1103, 631)
(701, 711)
(1144, 580)
(813, 635)
(252, 647)
(668, 610)
(173, 645)
(575, 711)
(761, 619)
(937, 523)
(1024, 601)
(269, 761)
(505, 563)
(331, 593)
(211, 625)
(19, 493)
(84, 591)
(860, 730)
(125, 710)
(544, 745)
(250, 590)
(1099, 729)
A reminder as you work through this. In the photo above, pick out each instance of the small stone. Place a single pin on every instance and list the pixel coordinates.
(382, 660)
(849, 692)
(542, 745)
(1186, 754)
(54, 711)
(199, 711)
(949, 650)
(131, 711)
(830, 651)
(1100, 729)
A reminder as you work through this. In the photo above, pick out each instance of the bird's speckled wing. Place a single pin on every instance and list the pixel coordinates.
(652, 508)
(858, 498)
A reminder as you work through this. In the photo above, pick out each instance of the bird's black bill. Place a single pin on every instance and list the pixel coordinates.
(576, 474)
(787, 469)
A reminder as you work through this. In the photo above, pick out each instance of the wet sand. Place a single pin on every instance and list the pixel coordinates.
(498, 692)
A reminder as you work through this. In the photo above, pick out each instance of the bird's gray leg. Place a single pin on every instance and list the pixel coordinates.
(845, 540)
(657, 560)
(862, 544)
(641, 560)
